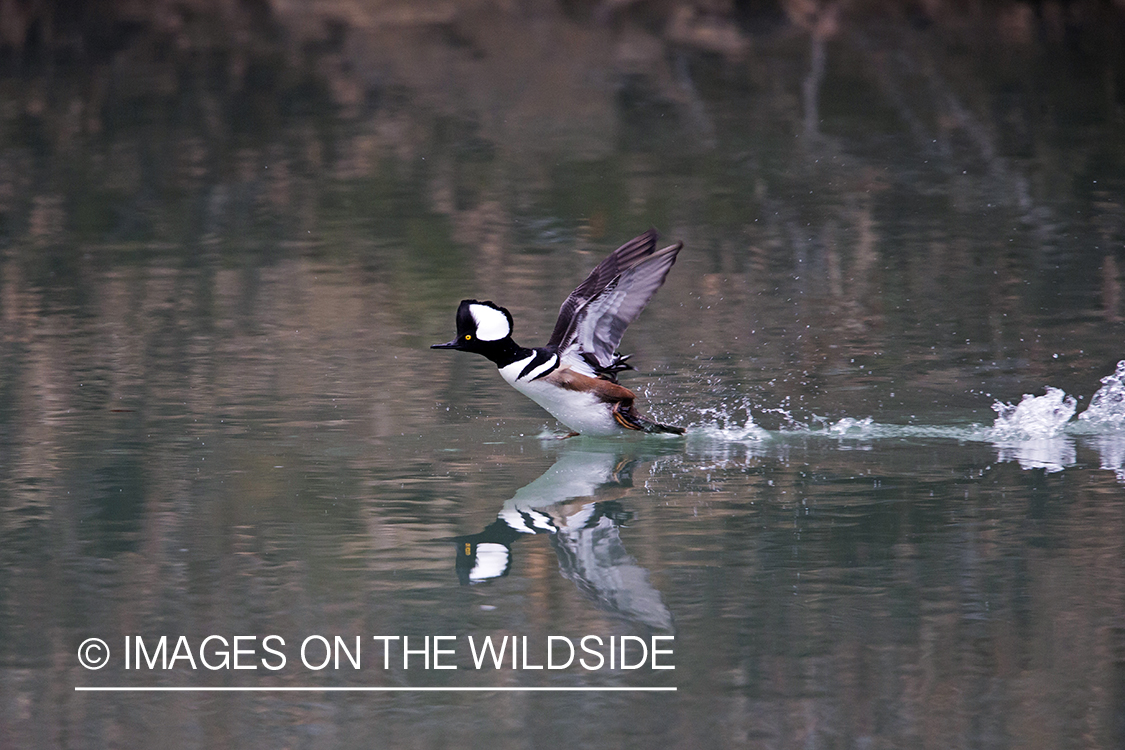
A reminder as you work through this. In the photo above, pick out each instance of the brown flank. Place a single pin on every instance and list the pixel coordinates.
(575, 381)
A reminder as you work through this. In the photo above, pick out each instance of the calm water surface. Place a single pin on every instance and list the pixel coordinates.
(220, 275)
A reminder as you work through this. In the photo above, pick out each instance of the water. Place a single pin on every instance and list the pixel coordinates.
(221, 270)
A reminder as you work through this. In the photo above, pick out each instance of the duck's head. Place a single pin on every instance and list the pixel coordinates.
(482, 327)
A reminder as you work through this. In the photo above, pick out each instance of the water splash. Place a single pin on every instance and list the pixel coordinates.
(1031, 432)
(726, 436)
(849, 427)
(1107, 407)
(1039, 432)
(1035, 416)
(730, 424)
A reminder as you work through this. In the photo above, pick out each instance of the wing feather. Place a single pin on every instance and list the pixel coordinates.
(594, 317)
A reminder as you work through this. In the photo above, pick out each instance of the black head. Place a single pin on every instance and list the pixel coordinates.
(482, 327)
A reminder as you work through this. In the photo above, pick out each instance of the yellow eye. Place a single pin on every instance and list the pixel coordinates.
(467, 337)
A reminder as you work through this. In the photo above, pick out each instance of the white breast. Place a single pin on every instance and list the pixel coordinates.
(580, 411)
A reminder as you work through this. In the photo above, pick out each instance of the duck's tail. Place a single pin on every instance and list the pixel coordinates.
(628, 418)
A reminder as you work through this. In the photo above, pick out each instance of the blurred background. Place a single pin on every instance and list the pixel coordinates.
(948, 169)
(229, 232)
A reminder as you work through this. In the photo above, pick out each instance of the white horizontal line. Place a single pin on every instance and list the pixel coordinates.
(127, 689)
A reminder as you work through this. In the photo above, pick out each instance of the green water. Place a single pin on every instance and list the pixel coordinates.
(219, 415)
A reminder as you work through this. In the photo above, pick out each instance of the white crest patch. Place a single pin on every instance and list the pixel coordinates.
(492, 561)
(492, 325)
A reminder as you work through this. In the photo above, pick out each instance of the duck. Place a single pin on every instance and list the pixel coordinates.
(574, 377)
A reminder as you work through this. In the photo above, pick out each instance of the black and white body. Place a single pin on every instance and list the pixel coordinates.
(574, 376)
(577, 503)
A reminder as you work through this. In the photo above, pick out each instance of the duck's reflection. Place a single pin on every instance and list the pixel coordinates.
(576, 503)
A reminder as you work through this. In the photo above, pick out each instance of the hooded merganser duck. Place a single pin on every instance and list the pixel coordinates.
(574, 376)
(578, 505)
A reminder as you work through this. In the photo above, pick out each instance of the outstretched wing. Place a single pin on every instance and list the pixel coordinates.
(594, 317)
